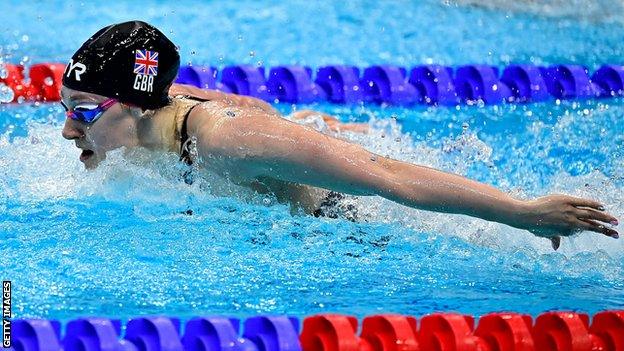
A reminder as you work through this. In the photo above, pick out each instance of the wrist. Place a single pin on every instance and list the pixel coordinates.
(520, 213)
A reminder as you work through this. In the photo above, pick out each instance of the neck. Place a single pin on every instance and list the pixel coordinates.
(156, 130)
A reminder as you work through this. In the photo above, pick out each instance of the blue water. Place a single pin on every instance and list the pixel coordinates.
(112, 242)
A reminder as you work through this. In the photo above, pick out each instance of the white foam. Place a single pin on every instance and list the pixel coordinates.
(44, 166)
(386, 138)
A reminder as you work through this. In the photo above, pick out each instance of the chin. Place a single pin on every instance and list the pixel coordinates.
(91, 161)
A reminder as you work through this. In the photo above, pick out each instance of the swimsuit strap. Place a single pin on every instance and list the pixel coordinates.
(185, 154)
(185, 141)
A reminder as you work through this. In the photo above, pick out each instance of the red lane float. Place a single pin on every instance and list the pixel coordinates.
(22, 90)
(609, 327)
(45, 82)
(329, 332)
(47, 78)
(506, 331)
(570, 331)
(332, 332)
(389, 333)
(448, 332)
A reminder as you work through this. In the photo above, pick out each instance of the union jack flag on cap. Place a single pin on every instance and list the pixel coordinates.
(146, 62)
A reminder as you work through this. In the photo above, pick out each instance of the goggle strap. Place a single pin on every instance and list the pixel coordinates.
(107, 103)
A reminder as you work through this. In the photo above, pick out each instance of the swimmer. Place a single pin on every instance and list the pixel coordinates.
(118, 92)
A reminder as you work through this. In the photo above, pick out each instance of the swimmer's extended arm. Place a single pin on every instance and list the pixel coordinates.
(267, 146)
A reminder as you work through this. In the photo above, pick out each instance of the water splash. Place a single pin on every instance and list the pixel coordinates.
(6, 93)
(239, 254)
(466, 149)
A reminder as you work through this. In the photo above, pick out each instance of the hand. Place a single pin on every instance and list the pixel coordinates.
(554, 216)
(332, 122)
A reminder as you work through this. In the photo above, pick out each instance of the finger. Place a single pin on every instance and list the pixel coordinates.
(556, 242)
(595, 215)
(577, 201)
(327, 118)
(355, 127)
(594, 226)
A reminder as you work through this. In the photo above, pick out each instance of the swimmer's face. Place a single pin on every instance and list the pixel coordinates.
(116, 127)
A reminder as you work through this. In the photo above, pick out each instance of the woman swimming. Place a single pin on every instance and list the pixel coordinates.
(118, 91)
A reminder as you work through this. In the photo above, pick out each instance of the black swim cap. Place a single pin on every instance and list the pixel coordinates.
(132, 62)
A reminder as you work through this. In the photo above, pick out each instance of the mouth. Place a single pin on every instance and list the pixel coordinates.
(86, 154)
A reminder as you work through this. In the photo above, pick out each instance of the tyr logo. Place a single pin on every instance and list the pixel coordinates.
(77, 67)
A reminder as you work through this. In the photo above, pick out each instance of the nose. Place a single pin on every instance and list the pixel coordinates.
(72, 130)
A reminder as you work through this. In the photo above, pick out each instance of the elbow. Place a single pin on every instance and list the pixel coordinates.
(379, 176)
(392, 181)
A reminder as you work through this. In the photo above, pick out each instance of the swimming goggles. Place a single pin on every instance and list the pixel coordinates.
(88, 114)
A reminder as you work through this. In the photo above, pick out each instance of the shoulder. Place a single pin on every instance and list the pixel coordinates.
(239, 131)
(216, 123)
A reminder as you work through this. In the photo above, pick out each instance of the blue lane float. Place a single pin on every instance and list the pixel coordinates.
(246, 80)
(387, 84)
(341, 83)
(610, 79)
(427, 84)
(569, 81)
(526, 83)
(273, 332)
(214, 333)
(154, 334)
(294, 84)
(36, 334)
(480, 82)
(434, 84)
(201, 77)
(95, 334)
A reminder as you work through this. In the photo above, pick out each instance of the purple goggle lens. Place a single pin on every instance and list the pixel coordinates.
(88, 115)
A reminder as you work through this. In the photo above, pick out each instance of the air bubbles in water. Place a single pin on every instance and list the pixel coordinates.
(48, 81)
(252, 53)
(4, 73)
(6, 94)
(466, 149)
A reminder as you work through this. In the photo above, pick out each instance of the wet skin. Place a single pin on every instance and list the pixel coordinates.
(249, 141)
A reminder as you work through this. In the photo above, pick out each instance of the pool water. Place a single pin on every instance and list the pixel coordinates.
(114, 242)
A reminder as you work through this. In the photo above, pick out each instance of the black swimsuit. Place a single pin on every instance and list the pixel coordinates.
(185, 155)
(185, 141)
(333, 207)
